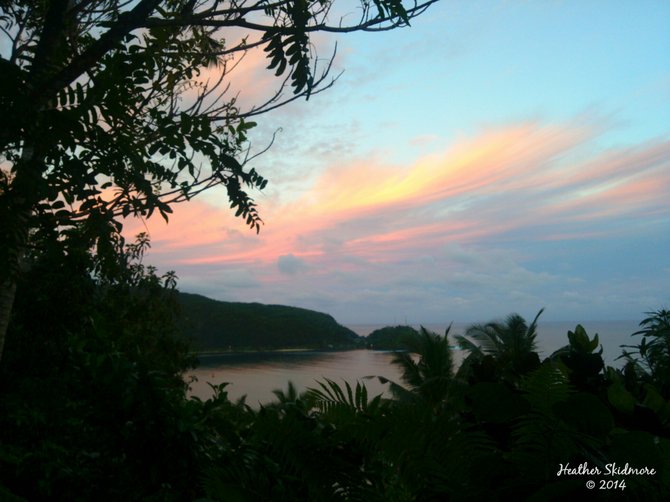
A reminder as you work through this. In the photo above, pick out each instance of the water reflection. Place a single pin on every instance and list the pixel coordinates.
(281, 359)
(256, 375)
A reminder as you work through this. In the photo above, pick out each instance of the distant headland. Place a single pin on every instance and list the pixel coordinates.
(218, 326)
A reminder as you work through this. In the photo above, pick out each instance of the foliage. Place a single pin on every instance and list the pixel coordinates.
(115, 398)
(581, 361)
(651, 357)
(429, 378)
(500, 350)
(117, 108)
(105, 79)
(331, 399)
(92, 383)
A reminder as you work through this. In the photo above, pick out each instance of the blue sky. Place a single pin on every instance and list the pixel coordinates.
(497, 156)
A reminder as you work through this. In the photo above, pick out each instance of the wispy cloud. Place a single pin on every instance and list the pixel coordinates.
(380, 229)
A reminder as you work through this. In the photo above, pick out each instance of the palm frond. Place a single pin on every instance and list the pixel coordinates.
(512, 339)
(411, 374)
(291, 394)
(546, 386)
(486, 336)
(465, 344)
(330, 397)
(399, 392)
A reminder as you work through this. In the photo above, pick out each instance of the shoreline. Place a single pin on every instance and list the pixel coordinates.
(225, 352)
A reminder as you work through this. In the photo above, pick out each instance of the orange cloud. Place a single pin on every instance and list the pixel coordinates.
(523, 176)
(477, 165)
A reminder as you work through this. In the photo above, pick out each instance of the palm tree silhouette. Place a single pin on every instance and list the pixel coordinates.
(510, 343)
(430, 377)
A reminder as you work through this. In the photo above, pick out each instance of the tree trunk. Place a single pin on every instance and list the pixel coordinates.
(14, 228)
(22, 194)
(48, 74)
(7, 294)
(16, 210)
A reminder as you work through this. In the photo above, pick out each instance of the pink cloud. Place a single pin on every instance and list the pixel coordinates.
(519, 177)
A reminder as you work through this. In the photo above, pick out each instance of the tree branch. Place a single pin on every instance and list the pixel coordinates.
(125, 24)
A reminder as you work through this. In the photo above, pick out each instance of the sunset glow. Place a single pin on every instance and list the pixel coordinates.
(486, 173)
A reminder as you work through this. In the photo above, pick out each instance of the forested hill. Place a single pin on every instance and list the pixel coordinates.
(215, 325)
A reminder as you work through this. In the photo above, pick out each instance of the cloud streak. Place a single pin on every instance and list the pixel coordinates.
(367, 229)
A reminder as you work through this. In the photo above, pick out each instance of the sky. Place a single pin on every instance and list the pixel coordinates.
(495, 157)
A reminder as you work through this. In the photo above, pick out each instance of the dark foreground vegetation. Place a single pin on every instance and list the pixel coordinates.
(93, 407)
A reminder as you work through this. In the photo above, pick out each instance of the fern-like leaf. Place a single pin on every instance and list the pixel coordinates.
(546, 386)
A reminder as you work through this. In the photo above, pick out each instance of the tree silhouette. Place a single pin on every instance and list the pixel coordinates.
(104, 116)
(651, 357)
(510, 343)
(429, 377)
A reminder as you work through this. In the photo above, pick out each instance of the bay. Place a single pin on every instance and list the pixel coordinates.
(256, 374)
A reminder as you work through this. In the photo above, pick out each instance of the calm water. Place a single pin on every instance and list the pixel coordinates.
(256, 375)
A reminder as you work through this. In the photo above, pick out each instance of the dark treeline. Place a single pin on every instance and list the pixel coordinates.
(93, 406)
